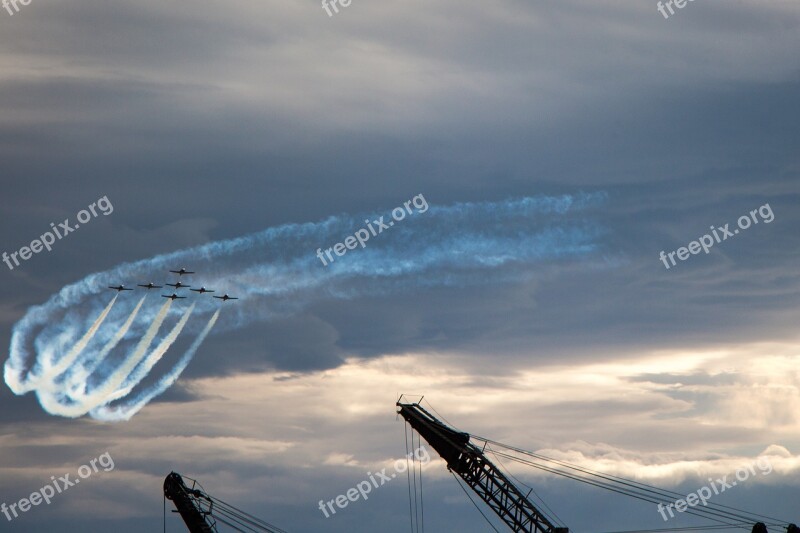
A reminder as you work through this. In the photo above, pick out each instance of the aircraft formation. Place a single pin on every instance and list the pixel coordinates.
(177, 285)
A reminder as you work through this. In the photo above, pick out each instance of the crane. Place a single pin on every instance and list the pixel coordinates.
(470, 463)
(193, 504)
(201, 512)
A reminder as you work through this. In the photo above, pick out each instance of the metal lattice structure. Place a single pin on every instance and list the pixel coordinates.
(193, 504)
(480, 474)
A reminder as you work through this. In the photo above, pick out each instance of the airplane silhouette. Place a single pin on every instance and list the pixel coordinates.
(120, 288)
(201, 290)
(172, 297)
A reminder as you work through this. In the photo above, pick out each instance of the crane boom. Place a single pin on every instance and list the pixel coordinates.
(186, 502)
(479, 473)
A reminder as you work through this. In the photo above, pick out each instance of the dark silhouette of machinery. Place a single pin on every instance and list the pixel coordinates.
(469, 461)
(192, 504)
(482, 476)
(201, 512)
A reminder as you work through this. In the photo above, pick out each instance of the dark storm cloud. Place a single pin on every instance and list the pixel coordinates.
(212, 121)
(723, 147)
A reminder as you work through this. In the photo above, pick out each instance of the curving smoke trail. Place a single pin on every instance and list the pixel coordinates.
(143, 369)
(79, 375)
(129, 408)
(118, 377)
(73, 405)
(276, 272)
(55, 371)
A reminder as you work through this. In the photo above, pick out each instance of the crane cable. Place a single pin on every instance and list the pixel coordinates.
(416, 460)
(635, 487)
(473, 501)
(414, 477)
(447, 438)
(421, 501)
(652, 496)
(688, 528)
(546, 510)
(221, 511)
(729, 517)
(607, 486)
(408, 475)
(252, 523)
(726, 516)
(656, 490)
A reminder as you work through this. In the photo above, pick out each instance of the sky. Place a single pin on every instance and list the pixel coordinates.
(547, 153)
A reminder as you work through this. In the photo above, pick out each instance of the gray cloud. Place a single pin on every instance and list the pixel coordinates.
(213, 122)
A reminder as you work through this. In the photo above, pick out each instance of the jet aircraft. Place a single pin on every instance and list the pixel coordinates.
(201, 290)
(172, 296)
(181, 272)
(120, 288)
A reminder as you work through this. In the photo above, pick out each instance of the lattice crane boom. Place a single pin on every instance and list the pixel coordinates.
(478, 472)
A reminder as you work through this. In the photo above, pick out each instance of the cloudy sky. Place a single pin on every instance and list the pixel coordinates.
(559, 148)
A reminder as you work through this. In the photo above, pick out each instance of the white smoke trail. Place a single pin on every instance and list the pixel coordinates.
(276, 273)
(131, 407)
(78, 377)
(49, 373)
(147, 365)
(73, 354)
(103, 391)
(54, 403)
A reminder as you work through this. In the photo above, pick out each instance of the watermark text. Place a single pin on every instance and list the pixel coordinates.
(703, 494)
(48, 238)
(365, 487)
(376, 227)
(57, 486)
(720, 234)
